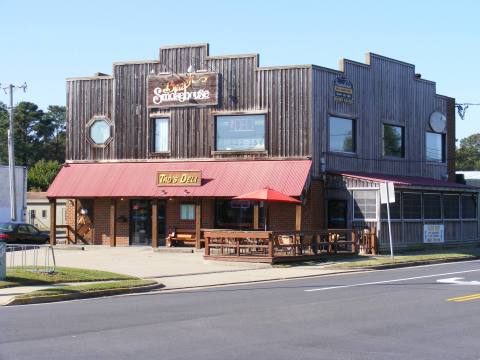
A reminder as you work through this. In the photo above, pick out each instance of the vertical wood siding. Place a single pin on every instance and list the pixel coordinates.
(281, 93)
(384, 91)
(86, 99)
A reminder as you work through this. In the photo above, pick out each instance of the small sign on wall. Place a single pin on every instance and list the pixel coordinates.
(433, 233)
(343, 89)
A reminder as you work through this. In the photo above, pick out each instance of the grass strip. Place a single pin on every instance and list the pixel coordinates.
(60, 293)
(28, 277)
(399, 259)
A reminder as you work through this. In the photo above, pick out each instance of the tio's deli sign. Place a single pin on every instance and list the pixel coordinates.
(179, 178)
(174, 90)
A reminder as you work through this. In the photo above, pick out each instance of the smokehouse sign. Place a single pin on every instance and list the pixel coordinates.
(174, 90)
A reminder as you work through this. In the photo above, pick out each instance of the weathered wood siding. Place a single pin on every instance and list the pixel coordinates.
(281, 93)
(384, 91)
(86, 99)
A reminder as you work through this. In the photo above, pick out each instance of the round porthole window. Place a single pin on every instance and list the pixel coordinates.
(99, 131)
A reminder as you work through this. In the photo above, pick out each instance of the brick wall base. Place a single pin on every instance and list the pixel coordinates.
(281, 217)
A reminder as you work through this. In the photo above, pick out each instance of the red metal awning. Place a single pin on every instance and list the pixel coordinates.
(404, 180)
(219, 178)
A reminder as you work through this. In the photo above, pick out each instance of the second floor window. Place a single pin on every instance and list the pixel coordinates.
(161, 135)
(435, 147)
(240, 132)
(393, 141)
(342, 135)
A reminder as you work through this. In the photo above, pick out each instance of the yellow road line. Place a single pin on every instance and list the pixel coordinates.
(465, 298)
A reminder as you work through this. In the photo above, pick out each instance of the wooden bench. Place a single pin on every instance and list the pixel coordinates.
(182, 236)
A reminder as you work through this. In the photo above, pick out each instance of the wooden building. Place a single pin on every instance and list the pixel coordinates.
(165, 144)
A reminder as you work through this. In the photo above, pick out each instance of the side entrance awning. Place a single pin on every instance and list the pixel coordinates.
(144, 179)
(407, 181)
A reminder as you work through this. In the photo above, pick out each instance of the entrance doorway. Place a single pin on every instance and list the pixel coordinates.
(337, 214)
(141, 222)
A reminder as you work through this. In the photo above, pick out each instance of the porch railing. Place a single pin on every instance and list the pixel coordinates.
(269, 245)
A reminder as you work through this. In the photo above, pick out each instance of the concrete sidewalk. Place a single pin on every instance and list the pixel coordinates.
(174, 270)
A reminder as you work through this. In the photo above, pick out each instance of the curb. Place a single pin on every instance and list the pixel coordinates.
(412, 263)
(340, 272)
(86, 295)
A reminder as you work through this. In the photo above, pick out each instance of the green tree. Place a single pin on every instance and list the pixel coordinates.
(468, 154)
(27, 115)
(38, 134)
(50, 133)
(41, 175)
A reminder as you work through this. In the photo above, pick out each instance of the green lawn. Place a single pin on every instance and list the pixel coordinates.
(27, 277)
(410, 257)
(87, 288)
(342, 261)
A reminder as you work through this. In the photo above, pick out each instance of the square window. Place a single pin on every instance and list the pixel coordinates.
(451, 207)
(412, 206)
(393, 141)
(469, 207)
(187, 212)
(365, 205)
(161, 135)
(395, 208)
(432, 207)
(342, 135)
(240, 133)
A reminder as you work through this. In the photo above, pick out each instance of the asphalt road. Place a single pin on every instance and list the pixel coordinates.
(391, 314)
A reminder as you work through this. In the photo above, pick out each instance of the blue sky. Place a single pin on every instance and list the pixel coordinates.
(46, 41)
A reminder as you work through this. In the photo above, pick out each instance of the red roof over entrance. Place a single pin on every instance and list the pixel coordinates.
(219, 178)
(405, 180)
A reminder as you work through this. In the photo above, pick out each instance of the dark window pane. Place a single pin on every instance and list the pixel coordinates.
(393, 141)
(451, 207)
(240, 132)
(394, 208)
(342, 134)
(435, 147)
(432, 206)
(412, 206)
(469, 207)
(365, 204)
(233, 214)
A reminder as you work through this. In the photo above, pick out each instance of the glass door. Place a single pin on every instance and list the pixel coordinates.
(140, 222)
(337, 214)
(161, 222)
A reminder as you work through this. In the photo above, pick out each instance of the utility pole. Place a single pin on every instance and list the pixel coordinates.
(11, 150)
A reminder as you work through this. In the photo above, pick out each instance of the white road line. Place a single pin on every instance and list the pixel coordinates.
(389, 281)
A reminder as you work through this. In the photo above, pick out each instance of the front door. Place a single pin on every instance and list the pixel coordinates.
(161, 221)
(140, 222)
(337, 214)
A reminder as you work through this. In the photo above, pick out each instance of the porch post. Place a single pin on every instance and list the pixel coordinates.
(298, 217)
(53, 221)
(154, 223)
(255, 216)
(113, 222)
(75, 224)
(198, 222)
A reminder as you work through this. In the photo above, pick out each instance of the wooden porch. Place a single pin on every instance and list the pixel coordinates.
(285, 246)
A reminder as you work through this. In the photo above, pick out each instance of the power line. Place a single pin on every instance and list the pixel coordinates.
(11, 148)
(462, 108)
